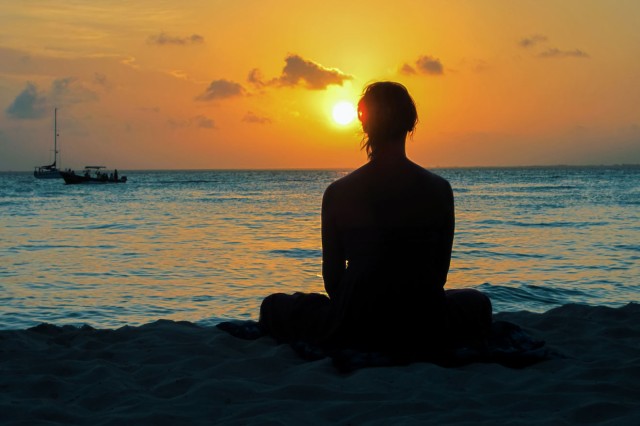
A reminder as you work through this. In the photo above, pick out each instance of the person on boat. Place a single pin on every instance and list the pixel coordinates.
(387, 236)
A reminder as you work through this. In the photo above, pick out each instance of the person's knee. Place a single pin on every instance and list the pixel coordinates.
(484, 306)
(478, 303)
(266, 310)
(485, 302)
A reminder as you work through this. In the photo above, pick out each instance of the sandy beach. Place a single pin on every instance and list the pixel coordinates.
(176, 373)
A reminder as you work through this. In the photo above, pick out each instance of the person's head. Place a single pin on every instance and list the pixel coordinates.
(387, 113)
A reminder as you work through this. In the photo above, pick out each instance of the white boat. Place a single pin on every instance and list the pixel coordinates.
(50, 171)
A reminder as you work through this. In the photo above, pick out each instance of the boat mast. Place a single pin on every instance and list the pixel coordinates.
(55, 136)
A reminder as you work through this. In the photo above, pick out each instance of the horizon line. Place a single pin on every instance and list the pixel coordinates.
(434, 167)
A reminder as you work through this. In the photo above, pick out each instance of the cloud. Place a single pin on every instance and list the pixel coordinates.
(551, 52)
(130, 61)
(532, 41)
(153, 110)
(102, 81)
(407, 69)
(429, 65)
(314, 75)
(221, 89)
(179, 74)
(475, 65)
(297, 71)
(425, 64)
(557, 53)
(198, 121)
(164, 39)
(68, 91)
(204, 122)
(252, 118)
(255, 78)
(30, 104)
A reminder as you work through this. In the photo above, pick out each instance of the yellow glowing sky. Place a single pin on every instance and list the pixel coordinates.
(201, 84)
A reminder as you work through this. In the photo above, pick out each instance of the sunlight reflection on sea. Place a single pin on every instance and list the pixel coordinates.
(209, 245)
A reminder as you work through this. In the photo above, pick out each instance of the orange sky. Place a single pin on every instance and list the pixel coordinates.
(250, 84)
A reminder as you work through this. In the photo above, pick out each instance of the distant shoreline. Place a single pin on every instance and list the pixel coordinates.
(293, 169)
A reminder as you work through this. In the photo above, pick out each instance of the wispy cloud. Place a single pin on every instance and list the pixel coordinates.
(475, 65)
(557, 53)
(538, 40)
(69, 90)
(425, 64)
(204, 122)
(164, 39)
(179, 74)
(102, 81)
(221, 89)
(252, 118)
(531, 41)
(255, 78)
(130, 61)
(407, 69)
(200, 121)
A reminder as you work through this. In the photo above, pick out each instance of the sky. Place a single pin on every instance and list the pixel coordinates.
(211, 84)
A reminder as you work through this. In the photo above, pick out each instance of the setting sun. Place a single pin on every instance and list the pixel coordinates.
(344, 112)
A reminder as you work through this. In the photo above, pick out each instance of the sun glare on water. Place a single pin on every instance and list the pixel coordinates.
(344, 112)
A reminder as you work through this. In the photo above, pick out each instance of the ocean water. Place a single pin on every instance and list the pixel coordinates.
(206, 246)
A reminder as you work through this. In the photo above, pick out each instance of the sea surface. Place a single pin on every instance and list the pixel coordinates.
(206, 246)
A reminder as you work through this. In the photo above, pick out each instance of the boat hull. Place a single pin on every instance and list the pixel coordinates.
(73, 179)
(47, 174)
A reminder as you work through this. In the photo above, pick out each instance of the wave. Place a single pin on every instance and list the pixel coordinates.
(496, 254)
(217, 200)
(36, 247)
(105, 226)
(297, 253)
(559, 224)
(533, 297)
(540, 188)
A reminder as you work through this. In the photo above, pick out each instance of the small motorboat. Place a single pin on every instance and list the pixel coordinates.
(92, 174)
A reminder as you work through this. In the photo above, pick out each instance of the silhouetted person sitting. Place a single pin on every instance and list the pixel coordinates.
(387, 235)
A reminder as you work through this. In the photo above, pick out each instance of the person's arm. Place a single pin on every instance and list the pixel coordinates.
(333, 260)
(446, 240)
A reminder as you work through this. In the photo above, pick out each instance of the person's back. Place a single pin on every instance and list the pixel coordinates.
(392, 221)
(387, 233)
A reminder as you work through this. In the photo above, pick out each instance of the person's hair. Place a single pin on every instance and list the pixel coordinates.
(387, 113)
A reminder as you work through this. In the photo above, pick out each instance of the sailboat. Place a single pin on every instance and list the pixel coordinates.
(50, 171)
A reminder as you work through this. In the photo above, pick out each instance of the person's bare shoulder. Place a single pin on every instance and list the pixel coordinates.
(432, 179)
(348, 182)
